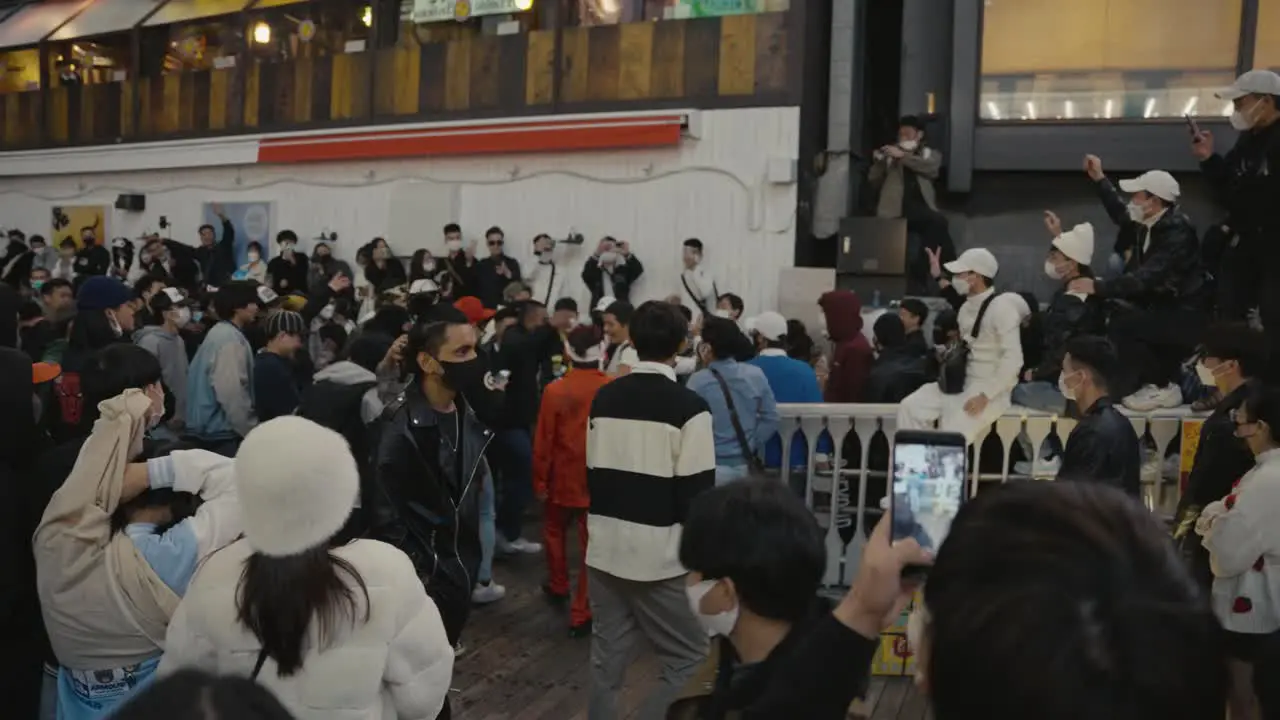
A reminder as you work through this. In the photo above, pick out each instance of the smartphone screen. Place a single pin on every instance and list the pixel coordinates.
(1192, 126)
(928, 485)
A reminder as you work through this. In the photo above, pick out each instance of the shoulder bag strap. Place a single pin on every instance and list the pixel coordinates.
(551, 286)
(257, 666)
(982, 312)
(692, 295)
(737, 424)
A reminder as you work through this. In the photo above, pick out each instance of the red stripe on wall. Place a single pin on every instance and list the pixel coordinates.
(475, 140)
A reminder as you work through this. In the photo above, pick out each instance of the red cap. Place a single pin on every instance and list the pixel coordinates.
(475, 310)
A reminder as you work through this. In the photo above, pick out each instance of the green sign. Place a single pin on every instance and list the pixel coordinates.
(716, 8)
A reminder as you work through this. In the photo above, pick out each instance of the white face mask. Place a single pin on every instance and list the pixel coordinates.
(1136, 212)
(1243, 120)
(1052, 270)
(327, 313)
(722, 313)
(719, 624)
(608, 257)
(1067, 391)
(254, 256)
(286, 250)
(453, 245)
(909, 145)
(1205, 374)
(961, 285)
(184, 317)
(429, 265)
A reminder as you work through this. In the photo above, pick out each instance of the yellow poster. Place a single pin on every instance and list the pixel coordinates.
(1190, 443)
(70, 221)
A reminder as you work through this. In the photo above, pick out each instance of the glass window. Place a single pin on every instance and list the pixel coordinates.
(287, 31)
(176, 11)
(104, 16)
(32, 23)
(1266, 53)
(436, 21)
(610, 12)
(1107, 59)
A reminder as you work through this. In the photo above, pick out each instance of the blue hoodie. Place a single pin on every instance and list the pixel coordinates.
(792, 381)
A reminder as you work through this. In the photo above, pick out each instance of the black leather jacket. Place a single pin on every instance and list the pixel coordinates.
(1066, 317)
(1243, 182)
(1168, 273)
(1104, 448)
(429, 512)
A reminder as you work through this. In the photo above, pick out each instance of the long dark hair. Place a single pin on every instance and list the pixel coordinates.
(278, 597)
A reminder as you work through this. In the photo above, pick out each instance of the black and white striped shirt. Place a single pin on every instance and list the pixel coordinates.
(650, 450)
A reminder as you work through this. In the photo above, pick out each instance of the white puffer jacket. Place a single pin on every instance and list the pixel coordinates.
(397, 665)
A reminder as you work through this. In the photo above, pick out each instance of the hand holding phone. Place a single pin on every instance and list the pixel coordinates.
(929, 481)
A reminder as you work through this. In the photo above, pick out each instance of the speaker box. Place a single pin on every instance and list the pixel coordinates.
(131, 203)
(889, 287)
(872, 246)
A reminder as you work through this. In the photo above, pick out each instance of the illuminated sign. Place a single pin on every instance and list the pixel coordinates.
(429, 11)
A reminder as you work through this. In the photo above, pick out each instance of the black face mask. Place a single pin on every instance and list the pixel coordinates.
(465, 376)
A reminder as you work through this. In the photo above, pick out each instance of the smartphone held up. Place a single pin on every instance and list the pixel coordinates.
(928, 486)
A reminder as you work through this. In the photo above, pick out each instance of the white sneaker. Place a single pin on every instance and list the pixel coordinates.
(1151, 398)
(1042, 467)
(485, 593)
(519, 546)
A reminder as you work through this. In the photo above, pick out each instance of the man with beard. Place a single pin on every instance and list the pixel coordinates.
(429, 467)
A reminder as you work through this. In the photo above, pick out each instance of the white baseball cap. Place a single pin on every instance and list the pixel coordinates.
(605, 302)
(1077, 243)
(1156, 182)
(978, 260)
(770, 325)
(1254, 82)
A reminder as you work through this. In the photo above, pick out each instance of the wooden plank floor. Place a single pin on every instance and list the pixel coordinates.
(521, 663)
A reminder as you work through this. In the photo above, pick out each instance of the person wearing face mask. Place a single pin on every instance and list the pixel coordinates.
(384, 269)
(497, 271)
(324, 266)
(1244, 184)
(1162, 294)
(1069, 315)
(170, 313)
(903, 174)
(1103, 447)
(545, 277)
(92, 259)
(1231, 355)
(254, 268)
(429, 467)
(220, 380)
(989, 324)
(43, 256)
(1240, 533)
(288, 271)
(612, 271)
(460, 264)
(756, 557)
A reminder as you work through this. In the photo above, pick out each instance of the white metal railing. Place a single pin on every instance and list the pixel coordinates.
(828, 493)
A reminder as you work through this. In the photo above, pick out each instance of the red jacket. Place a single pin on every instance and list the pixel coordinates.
(851, 354)
(560, 440)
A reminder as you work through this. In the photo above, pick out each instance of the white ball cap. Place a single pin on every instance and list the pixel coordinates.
(977, 260)
(1254, 82)
(1155, 182)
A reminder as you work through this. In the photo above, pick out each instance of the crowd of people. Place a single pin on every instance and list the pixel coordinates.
(296, 475)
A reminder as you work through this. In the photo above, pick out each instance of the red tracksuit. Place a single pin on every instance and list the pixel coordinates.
(560, 476)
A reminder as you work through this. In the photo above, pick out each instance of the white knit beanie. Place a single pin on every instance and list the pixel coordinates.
(297, 483)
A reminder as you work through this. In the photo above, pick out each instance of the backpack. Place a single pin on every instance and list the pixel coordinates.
(337, 406)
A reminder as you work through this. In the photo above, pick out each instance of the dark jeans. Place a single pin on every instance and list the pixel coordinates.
(1153, 343)
(1263, 653)
(515, 488)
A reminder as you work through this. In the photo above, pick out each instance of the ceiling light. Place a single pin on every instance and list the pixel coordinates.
(993, 111)
(262, 33)
(1031, 110)
(1190, 107)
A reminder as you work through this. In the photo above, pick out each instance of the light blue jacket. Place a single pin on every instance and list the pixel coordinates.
(220, 386)
(752, 398)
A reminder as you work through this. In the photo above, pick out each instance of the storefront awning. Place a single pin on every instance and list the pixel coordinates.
(105, 16)
(176, 11)
(34, 22)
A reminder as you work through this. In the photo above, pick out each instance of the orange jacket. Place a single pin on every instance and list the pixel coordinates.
(560, 441)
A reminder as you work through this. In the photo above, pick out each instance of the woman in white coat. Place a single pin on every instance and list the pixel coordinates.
(334, 630)
(1243, 539)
